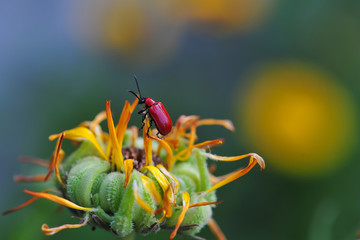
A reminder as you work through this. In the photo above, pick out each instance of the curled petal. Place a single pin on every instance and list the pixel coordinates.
(79, 134)
(51, 231)
(166, 146)
(258, 159)
(225, 123)
(94, 124)
(181, 125)
(236, 174)
(59, 200)
(208, 144)
(56, 157)
(169, 195)
(128, 167)
(31, 200)
(186, 203)
(185, 154)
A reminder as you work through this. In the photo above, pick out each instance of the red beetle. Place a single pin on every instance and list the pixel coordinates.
(156, 112)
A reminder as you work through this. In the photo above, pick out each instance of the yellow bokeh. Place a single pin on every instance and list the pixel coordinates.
(298, 118)
(228, 15)
(133, 29)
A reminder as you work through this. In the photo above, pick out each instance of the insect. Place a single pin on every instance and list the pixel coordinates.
(156, 112)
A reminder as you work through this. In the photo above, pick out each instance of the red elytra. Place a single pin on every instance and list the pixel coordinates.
(156, 111)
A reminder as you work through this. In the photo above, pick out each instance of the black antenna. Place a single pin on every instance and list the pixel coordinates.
(141, 99)
(137, 84)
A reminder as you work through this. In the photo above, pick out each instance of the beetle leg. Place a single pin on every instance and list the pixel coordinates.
(143, 120)
(151, 122)
(142, 111)
(160, 137)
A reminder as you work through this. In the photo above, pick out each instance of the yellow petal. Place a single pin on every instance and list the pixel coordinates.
(169, 200)
(31, 200)
(57, 160)
(134, 135)
(186, 202)
(150, 188)
(185, 154)
(56, 157)
(59, 200)
(200, 204)
(51, 231)
(128, 167)
(134, 104)
(147, 143)
(239, 173)
(225, 123)
(160, 177)
(79, 134)
(208, 144)
(141, 202)
(96, 122)
(172, 180)
(123, 122)
(166, 146)
(118, 158)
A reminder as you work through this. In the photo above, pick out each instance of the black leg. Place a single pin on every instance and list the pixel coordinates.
(151, 122)
(142, 111)
(143, 120)
(160, 137)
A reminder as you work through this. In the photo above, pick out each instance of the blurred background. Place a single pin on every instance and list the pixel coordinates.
(285, 72)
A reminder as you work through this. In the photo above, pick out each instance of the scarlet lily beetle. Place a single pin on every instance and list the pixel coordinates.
(156, 112)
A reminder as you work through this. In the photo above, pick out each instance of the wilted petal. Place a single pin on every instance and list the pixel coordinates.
(51, 231)
(225, 123)
(186, 203)
(28, 202)
(80, 134)
(59, 200)
(235, 175)
(214, 227)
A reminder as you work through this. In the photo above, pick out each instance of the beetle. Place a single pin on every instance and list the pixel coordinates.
(156, 112)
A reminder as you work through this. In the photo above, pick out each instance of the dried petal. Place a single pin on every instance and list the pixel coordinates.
(186, 203)
(59, 200)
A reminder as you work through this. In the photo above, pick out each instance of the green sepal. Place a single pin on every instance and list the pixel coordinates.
(111, 191)
(82, 176)
(122, 221)
(197, 215)
(84, 150)
(203, 170)
(145, 222)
